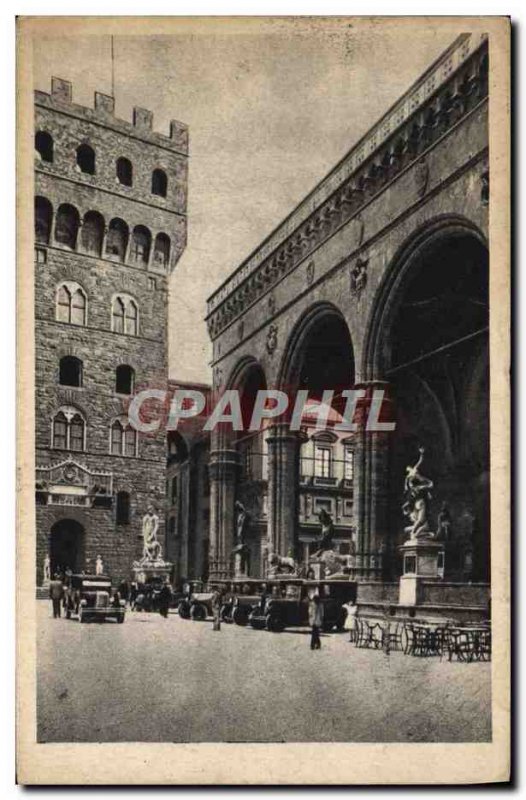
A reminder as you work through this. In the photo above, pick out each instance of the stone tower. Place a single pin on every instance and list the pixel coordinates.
(110, 226)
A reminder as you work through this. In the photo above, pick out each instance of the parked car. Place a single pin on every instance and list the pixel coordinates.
(196, 602)
(89, 598)
(287, 603)
(242, 597)
(147, 596)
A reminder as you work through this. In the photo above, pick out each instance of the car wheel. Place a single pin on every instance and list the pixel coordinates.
(184, 609)
(273, 624)
(240, 615)
(198, 612)
(120, 619)
(226, 614)
(257, 623)
(82, 617)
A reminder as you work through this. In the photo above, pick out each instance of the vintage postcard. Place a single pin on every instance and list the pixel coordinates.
(264, 348)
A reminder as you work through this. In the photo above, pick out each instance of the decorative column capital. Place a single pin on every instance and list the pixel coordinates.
(224, 465)
(280, 431)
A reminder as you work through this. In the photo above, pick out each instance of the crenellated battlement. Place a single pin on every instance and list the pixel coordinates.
(103, 112)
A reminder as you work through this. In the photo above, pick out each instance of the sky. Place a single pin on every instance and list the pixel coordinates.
(271, 106)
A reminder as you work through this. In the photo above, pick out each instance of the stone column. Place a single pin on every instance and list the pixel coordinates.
(283, 483)
(223, 475)
(377, 538)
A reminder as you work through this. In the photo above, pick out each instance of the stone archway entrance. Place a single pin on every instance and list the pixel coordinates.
(308, 474)
(432, 348)
(66, 546)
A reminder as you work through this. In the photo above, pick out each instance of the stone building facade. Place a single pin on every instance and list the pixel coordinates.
(377, 279)
(110, 226)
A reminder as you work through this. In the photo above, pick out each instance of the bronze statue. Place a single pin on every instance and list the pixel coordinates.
(240, 550)
(325, 542)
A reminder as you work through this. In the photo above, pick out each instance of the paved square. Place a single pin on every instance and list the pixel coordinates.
(157, 680)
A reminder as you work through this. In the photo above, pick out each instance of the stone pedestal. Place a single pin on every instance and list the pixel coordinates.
(423, 560)
(144, 571)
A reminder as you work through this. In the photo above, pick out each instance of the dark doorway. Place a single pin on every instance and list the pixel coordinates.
(67, 546)
(327, 361)
(438, 366)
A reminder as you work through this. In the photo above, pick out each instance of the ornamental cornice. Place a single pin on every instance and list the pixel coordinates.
(452, 87)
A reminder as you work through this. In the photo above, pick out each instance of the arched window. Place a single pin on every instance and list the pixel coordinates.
(43, 218)
(44, 146)
(86, 159)
(141, 243)
(69, 430)
(92, 233)
(161, 252)
(123, 508)
(71, 304)
(124, 379)
(124, 171)
(117, 315)
(70, 371)
(67, 226)
(125, 315)
(159, 182)
(123, 441)
(131, 319)
(117, 239)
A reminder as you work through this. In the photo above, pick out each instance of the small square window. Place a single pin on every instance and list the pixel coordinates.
(40, 255)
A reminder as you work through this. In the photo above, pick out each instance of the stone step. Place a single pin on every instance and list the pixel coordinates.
(42, 592)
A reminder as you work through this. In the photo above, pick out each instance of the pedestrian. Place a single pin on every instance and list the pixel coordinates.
(134, 591)
(216, 609)
(164, 599)
(350, 623)
(316, 621)
(56, 592)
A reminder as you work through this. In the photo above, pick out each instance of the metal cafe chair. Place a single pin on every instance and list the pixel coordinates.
(392, 635)
(471, 642)
(370, 633)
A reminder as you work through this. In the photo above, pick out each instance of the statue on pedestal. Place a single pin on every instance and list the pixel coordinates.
(281, 565)
(99, 566)
(47, 569)
(417, 496)
(325, 542)
(151, 546)
(240, 550)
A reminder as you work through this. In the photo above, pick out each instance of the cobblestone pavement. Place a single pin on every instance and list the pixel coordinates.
(173, 680)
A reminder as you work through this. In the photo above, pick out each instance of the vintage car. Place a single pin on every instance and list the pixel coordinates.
(147, 596)
(242, 596)
(196, 603)
(89, 597)
(287, 603)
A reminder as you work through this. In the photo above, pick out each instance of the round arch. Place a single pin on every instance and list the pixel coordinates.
(428, 338)
(319, 353)
(397, 277)
(67, 546)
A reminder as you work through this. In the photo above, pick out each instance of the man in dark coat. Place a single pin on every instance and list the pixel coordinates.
(56, 592)
(164, 599)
